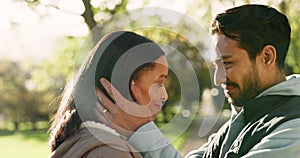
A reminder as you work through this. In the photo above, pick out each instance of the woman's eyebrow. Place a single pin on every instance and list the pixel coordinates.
(163, 76)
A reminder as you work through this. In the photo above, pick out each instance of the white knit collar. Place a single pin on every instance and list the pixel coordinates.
(98, 125)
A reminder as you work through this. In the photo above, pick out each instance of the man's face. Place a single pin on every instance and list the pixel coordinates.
(235, 72)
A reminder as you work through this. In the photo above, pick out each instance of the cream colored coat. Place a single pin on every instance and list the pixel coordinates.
(85, 144)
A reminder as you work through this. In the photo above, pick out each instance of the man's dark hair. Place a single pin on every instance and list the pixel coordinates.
(254, 27)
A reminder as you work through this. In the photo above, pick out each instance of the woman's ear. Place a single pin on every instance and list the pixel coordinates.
(268, 55)
(135, 90)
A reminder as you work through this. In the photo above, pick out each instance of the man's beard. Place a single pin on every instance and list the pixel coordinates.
(252, 88)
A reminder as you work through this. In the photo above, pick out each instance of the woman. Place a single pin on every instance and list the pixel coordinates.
(137, 67)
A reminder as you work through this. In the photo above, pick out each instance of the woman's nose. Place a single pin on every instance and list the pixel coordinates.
(165, 94)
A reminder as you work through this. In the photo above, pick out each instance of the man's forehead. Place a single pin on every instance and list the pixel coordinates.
(216, 55)
(223, 47)
(216, 39)
(218, 36)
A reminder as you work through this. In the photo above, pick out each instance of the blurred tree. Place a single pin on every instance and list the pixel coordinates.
(292, 9)
(100, 17)
(53, 74)
(109, 9)
(19, 102)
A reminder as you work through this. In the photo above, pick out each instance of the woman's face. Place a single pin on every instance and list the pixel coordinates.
(149, 89)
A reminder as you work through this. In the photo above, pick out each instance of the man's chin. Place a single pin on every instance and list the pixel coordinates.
(238, 104)
(235, 102)
(229, 99)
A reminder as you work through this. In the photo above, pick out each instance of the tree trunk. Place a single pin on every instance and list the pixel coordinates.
(282, 7)
(88, 16)
(34, 128)
(16, 124)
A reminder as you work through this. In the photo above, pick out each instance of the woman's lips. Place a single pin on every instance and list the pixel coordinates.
(158, 106)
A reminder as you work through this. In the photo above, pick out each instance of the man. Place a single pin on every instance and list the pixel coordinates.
(251, 44)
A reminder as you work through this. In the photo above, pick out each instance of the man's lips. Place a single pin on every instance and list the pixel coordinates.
(228, 88)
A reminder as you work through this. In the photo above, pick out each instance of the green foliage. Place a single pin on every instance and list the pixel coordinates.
(50, 77)
(19, 100)
(292, 10)
(54, 73)
(28, 90)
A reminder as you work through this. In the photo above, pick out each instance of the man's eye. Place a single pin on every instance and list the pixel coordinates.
(226, 63)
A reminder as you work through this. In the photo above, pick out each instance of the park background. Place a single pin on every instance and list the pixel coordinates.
(40, 40)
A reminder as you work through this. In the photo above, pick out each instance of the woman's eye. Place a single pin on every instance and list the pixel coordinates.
(160, 85)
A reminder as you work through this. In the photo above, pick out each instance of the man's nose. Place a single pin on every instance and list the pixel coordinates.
(220, 75)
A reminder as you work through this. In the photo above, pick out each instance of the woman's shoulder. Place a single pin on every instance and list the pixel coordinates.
(108, 144)
(92, 142)
(109, 151)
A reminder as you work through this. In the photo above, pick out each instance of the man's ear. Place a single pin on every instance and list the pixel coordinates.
(268, 55)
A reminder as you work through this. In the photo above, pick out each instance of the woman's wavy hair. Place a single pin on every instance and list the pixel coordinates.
(119, 57)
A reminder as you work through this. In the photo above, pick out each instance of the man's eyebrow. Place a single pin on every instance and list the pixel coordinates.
(226, 56)
(223, 57)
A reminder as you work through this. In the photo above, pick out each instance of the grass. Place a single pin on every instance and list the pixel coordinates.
(33, 144)
(27, 144)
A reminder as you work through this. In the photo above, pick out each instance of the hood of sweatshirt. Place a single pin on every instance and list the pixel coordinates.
(290, 87)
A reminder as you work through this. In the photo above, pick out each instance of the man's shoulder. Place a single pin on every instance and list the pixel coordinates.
(289, 128)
